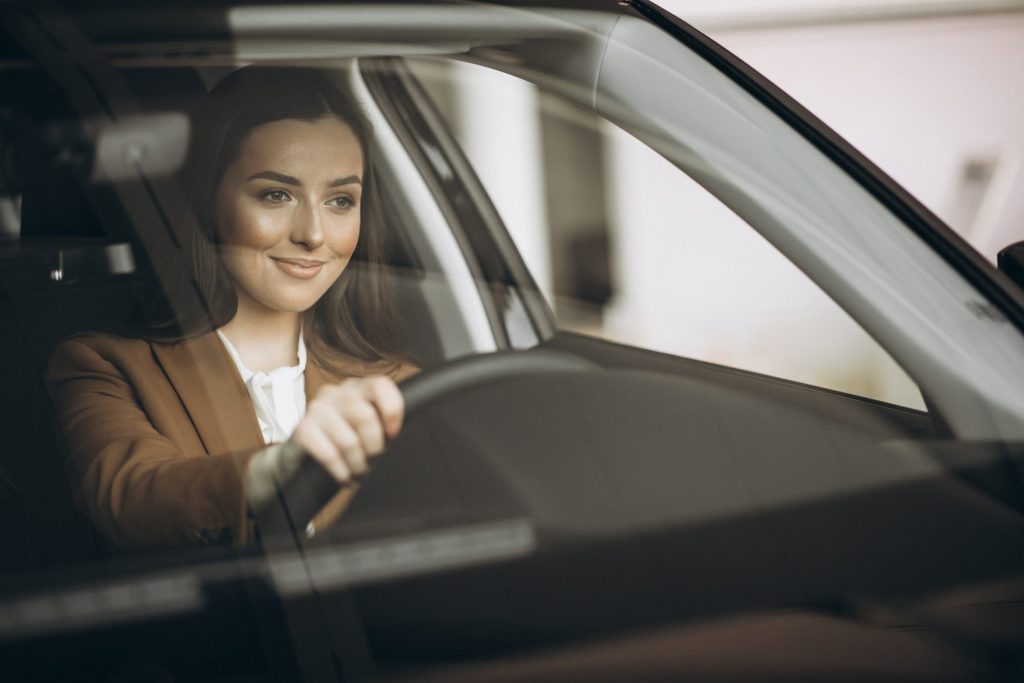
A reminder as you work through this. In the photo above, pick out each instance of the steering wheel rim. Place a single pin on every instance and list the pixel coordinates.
(311, 487)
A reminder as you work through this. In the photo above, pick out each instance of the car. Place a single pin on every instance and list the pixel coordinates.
(744, 410)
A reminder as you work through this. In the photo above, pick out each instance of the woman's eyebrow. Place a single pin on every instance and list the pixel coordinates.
(295, 182)
(279, 177)
(347, 180)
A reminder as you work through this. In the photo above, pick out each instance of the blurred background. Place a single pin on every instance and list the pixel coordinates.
(627, 247)
(930, 90)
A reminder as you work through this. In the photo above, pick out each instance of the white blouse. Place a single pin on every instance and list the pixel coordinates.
(279, 396)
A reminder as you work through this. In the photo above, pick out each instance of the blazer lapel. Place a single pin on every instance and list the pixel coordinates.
(205, 378)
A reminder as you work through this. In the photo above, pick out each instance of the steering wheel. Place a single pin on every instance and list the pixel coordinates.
(311, 487)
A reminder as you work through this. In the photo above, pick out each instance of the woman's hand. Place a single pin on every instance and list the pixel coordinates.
(345, 425)
(348, 423)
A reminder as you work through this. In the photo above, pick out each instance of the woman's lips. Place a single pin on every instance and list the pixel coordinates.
(303, 269)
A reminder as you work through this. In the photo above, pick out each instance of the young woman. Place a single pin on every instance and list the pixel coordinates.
(176, 441)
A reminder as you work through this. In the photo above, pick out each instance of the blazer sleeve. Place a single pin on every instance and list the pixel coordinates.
(136, 484)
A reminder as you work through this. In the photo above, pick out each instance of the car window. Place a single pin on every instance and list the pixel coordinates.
(627, 247)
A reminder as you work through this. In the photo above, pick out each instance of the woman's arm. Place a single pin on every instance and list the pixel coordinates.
(139, 487)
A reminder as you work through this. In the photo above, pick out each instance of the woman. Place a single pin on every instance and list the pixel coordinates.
(168, 439)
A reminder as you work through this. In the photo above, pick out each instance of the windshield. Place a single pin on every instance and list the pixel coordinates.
(355, 312)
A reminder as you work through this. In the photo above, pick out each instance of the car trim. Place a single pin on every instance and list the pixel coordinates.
(293, 574)
(505, 283)
(457, 270)
(396, 109)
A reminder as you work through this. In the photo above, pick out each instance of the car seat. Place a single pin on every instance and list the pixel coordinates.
(66, 272)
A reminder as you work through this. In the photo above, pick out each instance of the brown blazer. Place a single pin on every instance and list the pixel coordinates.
(159, 436)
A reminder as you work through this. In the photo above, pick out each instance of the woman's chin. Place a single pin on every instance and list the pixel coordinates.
(296, 305)
(284, 295)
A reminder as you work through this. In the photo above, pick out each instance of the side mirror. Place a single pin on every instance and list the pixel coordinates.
(1011, 261)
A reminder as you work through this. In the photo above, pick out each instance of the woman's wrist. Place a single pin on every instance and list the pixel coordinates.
(268, 470)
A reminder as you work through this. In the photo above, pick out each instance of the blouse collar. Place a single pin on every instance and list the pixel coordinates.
(247, 374)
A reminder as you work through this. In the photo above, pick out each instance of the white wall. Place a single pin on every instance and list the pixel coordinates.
(922, 99)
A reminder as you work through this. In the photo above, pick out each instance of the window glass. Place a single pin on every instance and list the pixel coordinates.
(627, 247)
(128, 430)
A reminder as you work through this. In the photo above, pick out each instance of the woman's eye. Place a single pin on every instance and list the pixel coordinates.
(343, 202)
(275, 196)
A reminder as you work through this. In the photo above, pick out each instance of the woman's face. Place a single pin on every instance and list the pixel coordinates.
(288, 212)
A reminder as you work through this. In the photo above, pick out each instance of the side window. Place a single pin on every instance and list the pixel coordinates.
(627, 247)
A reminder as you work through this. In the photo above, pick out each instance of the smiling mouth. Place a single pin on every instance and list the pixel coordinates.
(303, 269)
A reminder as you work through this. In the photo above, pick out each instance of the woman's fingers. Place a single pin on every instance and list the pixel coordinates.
(390, 404)
(346, 440)
(363, 418)
(383, 396)
(312, 437)
(347, 423)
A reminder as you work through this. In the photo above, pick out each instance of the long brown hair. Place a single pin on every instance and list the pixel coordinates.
(354, 317)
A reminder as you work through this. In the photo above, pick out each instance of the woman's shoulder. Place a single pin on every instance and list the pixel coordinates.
(93, 350)
(92, 355)
(96, 344)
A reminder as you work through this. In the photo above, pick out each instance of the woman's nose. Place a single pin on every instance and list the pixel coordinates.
(308, 229)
